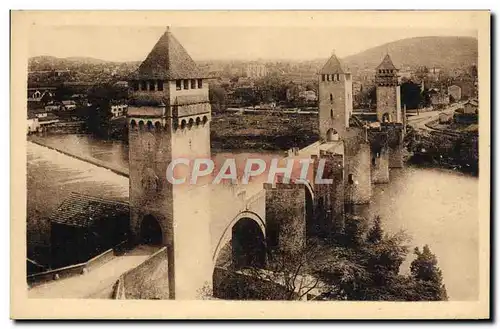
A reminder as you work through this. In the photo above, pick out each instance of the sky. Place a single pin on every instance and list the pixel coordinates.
(133, 43)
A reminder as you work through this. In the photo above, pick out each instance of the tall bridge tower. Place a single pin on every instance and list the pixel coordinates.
(335, 99)
(336, 126)
(388, 92)
(169, 118)
(391, 117)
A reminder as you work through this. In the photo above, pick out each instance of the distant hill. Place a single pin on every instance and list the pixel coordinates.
(47, 63)
(444, 52)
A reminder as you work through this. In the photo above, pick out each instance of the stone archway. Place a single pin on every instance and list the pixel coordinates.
(151, 232)
(332, 135)
(386, 117)
(248, 244)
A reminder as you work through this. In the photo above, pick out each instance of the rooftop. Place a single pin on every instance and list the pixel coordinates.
(168, 60)
(386, 64)
(81, 210)
(332, 66)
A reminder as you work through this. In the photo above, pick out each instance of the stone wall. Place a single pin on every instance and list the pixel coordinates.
(286, 216)
(380, 167)
(358, 175)
(387, 102)
(329, 198)
(149, 280)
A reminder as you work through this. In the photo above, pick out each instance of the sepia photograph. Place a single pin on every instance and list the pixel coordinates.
(297, 159)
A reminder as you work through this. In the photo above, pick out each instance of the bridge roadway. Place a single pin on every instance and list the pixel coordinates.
(97, 283)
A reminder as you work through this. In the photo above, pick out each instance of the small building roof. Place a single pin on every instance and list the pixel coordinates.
(79, 210)
(168, 60)
(386, 64)
(332, 66)
(472, 102)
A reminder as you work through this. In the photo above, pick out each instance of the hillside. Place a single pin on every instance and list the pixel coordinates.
(445, 52)
(47, 63)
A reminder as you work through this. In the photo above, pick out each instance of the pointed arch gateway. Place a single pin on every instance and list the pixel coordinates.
(151, 232)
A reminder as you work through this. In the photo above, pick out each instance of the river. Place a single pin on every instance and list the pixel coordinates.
(434, 206)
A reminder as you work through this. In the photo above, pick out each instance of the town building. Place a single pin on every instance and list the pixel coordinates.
(68, 105)
(439, 97)
(118, 110)
(52, 107)
(471, 106)
(308, 95)
(256, 70)
(32, 124)
(37, 94)
(455, 92)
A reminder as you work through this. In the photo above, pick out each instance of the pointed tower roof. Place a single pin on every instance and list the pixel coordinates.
(168, 60)
(386, 64)
(332, 66)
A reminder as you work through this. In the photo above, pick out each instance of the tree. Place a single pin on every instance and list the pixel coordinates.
(428, 276)
(410, 95)
(355, 231)
(292, 273)
(99, 114)
(217, 96)
(375, 234)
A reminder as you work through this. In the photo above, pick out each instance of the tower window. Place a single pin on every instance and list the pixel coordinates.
(331, 98)
(328, 77)
(338, 77)
(160, 85)
(186, 84)
(178, 84)
(200, 83)
(351, 179)
(152, 85)
(193, 84)
(331, 113)
(144, 85)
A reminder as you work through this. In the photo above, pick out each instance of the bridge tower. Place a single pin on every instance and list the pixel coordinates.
(335, 99)
(389, 114)
(388, 92)
(169, 118)
(336, 126)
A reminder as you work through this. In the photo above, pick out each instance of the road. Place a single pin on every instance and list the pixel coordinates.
(419, 121)
(96, 283)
